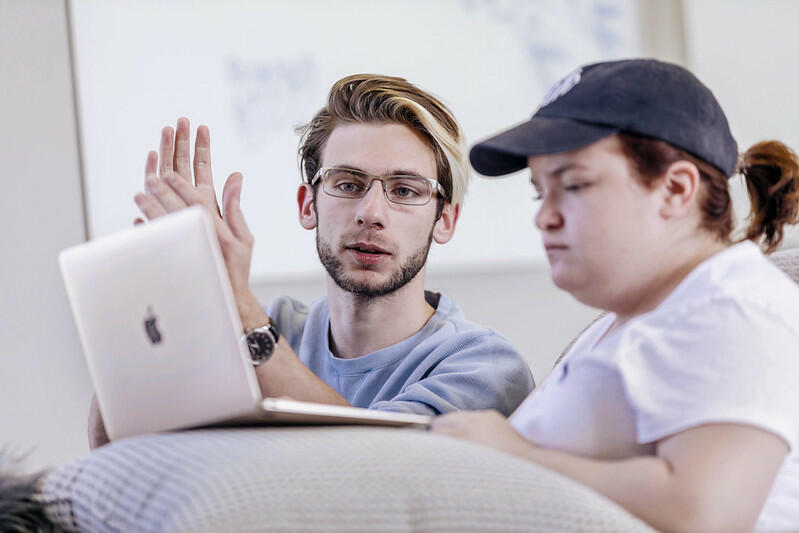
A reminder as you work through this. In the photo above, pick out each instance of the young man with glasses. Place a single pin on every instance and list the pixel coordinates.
(385, 172)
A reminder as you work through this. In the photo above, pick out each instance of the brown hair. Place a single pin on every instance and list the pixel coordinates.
(772, 180)
(375, 98)
(771, 172)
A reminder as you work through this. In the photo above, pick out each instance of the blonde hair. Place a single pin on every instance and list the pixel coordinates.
(375, 98)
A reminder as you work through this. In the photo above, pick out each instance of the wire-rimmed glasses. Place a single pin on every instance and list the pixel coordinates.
(399, 189)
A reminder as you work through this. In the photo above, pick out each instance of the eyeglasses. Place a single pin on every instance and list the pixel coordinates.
(399, 189)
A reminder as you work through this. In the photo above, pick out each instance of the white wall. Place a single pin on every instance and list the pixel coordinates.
(44, 387)
(746, 52)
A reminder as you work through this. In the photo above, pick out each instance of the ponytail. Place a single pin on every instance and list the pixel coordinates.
(771, 171)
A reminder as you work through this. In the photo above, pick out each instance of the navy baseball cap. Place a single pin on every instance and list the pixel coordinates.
(640, 96)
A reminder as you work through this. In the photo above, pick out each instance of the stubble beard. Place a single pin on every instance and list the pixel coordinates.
(365, 290)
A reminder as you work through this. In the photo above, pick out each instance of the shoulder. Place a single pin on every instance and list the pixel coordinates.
(733, 335)
(452, 339)
(738, 292)
(292, 316)
(735, 328)
(725, 350)
(742, 272)
(449, 319)
(287, 311)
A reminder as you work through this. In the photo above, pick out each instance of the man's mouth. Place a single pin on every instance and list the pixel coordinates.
(368, 255)
(367, 249)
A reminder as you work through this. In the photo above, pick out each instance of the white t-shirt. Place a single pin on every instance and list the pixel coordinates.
(722, 347)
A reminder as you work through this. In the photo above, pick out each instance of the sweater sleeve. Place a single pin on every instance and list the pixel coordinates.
(477, 371)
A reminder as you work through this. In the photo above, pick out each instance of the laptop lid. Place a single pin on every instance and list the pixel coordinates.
(159, 326)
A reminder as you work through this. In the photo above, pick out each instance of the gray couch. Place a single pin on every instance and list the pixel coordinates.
(322, 479)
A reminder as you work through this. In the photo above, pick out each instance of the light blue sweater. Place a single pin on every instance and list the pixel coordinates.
(449, 364)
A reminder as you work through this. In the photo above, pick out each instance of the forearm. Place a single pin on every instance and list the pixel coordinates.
(646, 486)
(693, 496)
(285, 375)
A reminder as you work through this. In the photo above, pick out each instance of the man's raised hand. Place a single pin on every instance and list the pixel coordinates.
(169, 187)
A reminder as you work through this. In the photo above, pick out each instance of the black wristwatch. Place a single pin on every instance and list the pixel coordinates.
(261, 341)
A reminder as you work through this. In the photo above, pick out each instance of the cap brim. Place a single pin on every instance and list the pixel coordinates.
(508, 151)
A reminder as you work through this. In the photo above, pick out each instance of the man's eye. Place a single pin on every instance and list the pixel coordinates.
(406, 189)
(575, 187)
(348, 186)
(404, 192)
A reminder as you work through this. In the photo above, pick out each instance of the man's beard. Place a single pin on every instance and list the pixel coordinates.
(365, 290)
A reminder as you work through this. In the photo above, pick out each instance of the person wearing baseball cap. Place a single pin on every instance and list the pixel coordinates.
(680, 402)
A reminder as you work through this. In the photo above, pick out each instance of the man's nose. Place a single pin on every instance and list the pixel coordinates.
(372, 206)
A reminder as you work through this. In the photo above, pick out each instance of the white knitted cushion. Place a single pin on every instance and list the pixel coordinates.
(788, 261)
(318, 479)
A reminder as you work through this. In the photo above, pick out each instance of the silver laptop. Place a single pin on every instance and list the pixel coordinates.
(162, 337)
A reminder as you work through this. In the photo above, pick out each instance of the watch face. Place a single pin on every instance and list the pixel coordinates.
(261, 346)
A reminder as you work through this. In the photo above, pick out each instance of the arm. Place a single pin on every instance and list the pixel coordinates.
(169, 187)
(284, 374)
(714, 477)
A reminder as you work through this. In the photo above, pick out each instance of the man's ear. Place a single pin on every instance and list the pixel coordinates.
(306, 204)
(680, 188)
(444, 228)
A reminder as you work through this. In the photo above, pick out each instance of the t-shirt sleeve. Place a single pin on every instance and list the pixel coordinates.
(481, 371)
(727, 363)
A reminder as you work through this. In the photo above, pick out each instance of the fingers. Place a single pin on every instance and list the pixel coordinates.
(149, 206)
(191, 195)
(202, 157)
(442, 422)
(165, 194)
(166, 150)
(231, 203)
(151, 165)
(203, 178)
(181, 156)
(174, 161)
(460, 421)
(162, 197)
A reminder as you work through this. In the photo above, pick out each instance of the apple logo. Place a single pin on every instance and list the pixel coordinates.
(150, 326)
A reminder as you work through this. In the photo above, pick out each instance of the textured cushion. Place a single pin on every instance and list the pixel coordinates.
(788, 261)
(322, 479)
